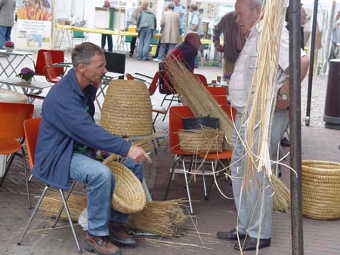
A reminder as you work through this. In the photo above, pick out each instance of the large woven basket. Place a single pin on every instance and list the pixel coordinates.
(129, 195)
(321, 189)
(127, 109)
(201, 140)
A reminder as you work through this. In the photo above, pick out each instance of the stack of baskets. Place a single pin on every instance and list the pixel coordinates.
(321, 189)
(127, 109)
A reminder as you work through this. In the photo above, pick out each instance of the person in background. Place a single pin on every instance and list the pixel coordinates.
(134, 19)
(253, 203)
(195, 20)
(335, 49)
(7, 9)
(146, 25)
(107, 36)
(181, 10)
(170, 35)
(67, 143)
(233, 42)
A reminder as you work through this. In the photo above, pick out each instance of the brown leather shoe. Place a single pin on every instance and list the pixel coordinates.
(119, 234)
(101, 245)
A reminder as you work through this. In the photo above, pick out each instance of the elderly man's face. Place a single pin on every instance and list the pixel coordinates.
(95, 70)
(246, 16)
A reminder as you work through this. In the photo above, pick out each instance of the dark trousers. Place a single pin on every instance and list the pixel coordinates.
(133, 45)
(109, 42)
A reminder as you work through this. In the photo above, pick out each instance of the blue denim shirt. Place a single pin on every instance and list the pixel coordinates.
(66, 121)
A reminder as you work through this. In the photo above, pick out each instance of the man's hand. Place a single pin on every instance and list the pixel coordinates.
(282, 102)
(219, 48)
(138, 154)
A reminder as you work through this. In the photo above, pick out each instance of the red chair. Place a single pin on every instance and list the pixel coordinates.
(177, 113)
(220, 94)
(12, 135)
(202, 78)
(57, 57)
(31, 128)
(51, 72)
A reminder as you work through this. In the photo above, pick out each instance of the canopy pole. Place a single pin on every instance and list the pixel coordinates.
(295, 125)
(311, 64)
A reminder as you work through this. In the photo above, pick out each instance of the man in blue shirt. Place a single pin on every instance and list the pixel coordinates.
(68, 138)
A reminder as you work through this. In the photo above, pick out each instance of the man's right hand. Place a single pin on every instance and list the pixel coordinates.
(137, 153)
(219, 48)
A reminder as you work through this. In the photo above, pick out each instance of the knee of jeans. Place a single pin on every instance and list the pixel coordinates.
(104, 175)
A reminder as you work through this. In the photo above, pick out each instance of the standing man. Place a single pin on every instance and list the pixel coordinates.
(133, 21)
(170, 34)
(67, 143)
(107, 36)
(254, 208)
(233, 42)
(7, 9)
(146, 25)
(180, 9)
(195, 20)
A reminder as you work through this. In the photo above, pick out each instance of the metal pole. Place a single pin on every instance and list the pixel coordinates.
(295, 125)
(311, 65)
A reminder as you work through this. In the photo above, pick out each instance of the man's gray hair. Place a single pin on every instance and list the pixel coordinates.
(256, 3)
(82, 53)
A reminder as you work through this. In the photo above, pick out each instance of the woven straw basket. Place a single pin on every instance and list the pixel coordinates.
(127, 109)
(129, 195)
(321, 189)
(201, 140)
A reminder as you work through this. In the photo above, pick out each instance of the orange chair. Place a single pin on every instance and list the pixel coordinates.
(50, 71)
(31, 128)
(220, 94)
(57, 57)
(12, 135)
(177, 113)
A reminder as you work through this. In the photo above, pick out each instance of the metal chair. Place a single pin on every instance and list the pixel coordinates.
(31, 128)
(177, 113)
(12, 135)
(57, 57)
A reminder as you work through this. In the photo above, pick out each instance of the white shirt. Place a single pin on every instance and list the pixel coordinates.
(241, 79)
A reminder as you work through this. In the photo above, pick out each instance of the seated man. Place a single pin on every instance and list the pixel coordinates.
(186, 52)
(68, 138)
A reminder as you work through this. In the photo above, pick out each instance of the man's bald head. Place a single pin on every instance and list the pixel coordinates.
(193, 39)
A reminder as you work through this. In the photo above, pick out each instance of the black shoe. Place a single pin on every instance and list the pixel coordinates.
(119, 235)
(250, 244)
(285, 142)
(231, 235)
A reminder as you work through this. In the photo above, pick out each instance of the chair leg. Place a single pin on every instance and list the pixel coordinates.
(70, 219)
(8, 165)
(27, 180)
(36, 208)
(61, 209)
(187, 187)
(170, 178)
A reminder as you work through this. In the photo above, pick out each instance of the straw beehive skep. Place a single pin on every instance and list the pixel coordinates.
(197, 97)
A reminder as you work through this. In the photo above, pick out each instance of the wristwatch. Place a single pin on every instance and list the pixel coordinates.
(283, 97)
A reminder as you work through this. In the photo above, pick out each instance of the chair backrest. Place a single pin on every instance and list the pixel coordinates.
(115, 62)
(153, 85)
(57, 57)
(31, 128)
(50, 72)
(220, 94)
(177, 113)
(202, 78)
(12, 116)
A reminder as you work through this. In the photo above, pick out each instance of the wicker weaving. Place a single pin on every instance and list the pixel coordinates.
(321, 189)
(201, 140)
(127, 109)
(129, 195)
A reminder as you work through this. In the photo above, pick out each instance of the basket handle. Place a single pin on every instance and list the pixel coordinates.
(112, 157)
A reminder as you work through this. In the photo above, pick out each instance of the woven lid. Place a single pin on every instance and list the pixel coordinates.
(127, 109)
(129, 195)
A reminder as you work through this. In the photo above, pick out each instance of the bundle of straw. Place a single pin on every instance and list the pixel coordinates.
(281, 196)
(197, 97)
(52, 203)
(165, 218)
(261, 104)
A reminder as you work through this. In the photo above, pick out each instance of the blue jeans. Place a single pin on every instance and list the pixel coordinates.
(100, 184)
(164, 48)
(144, 37)
(5, 35)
